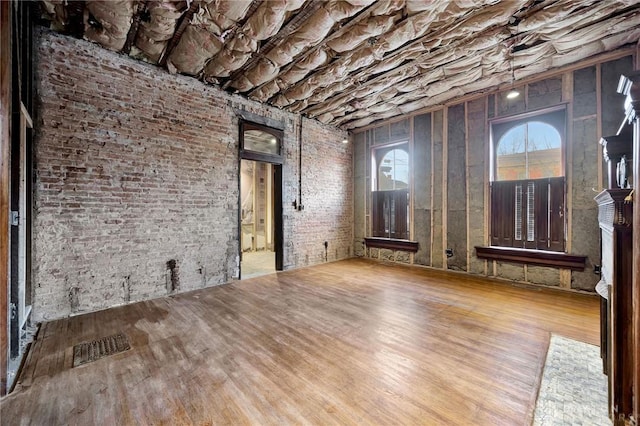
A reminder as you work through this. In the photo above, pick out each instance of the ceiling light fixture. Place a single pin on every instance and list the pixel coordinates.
(513, 93)
(345, 140)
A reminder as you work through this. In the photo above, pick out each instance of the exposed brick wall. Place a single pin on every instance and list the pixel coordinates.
(327, 199)
(137, 168)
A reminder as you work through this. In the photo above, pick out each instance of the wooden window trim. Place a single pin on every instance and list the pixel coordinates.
(248, 154)
(532, 257)
(398, 197)
(377, 154)
(391, 243)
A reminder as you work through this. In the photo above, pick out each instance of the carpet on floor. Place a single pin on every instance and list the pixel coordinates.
(573, 390)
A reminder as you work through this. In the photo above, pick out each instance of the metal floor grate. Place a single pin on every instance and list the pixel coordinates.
(84, 353)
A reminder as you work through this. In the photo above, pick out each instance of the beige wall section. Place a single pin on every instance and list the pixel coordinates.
(588, 91)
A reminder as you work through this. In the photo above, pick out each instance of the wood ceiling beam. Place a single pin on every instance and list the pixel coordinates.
(177, 34)
(75, 18)
(141, 7)
(294, 24)
(364, 13)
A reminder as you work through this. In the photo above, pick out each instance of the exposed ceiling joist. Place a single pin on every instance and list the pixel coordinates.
(343, 97)
(365, 13)
(292, 25)
(352, 62)
(141, 8)
(182, 25)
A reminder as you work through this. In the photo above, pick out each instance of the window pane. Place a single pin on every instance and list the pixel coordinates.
(259, 141)
(393, 170)
(511, 158)
(543, 150)
(531, 150)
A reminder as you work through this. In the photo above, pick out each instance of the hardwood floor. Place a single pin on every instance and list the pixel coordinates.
(341, 343)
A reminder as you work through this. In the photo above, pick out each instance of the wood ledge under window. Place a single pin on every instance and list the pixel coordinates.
(533, 257)
(391, 243)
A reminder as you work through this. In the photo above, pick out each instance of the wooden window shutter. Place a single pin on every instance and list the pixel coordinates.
(556, 213)
(377, 213)
(400, 202)
(542, 214)
(502, 213)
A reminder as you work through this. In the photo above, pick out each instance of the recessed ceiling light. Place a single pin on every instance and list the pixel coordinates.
(513, 94)
(345, 140)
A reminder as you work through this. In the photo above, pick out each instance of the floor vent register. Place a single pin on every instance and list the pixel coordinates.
(87, 352)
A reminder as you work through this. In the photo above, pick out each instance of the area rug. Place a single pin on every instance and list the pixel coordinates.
(573, 390)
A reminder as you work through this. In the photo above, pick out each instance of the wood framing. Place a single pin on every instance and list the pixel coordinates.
(5, 113)
(445, 179)
(567, 96)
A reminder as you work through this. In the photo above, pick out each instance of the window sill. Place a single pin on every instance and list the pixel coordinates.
(533, 257)
(391, 243)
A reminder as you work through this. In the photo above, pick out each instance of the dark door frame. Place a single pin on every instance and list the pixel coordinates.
(276, 160)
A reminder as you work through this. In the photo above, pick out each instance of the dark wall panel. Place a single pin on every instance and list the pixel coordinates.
(422, 187)
(399, 130)
(477, 126)
(437, 249)
(585, 101)
(544, 93)
(585, 235)
(457, 188)
(508, 106)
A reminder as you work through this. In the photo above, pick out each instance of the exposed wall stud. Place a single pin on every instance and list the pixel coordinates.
(445, 171)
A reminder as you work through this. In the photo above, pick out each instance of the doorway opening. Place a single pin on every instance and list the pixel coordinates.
(256, 216)
(260, 200)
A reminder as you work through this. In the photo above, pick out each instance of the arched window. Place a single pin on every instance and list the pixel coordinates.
(531, 150)
(393, 170)
(390, 196)
(528, 188)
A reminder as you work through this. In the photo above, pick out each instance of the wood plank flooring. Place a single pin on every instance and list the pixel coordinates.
(351, 342)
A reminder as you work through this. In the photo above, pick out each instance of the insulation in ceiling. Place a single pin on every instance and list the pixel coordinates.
(352, 62)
